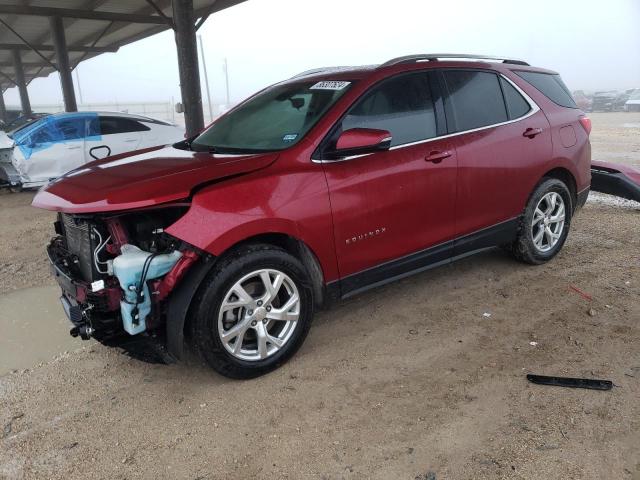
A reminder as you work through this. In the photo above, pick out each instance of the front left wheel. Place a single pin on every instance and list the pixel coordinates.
(253, 311)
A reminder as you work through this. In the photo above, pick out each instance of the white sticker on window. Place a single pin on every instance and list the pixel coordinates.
(290, 137)
(97, 285)
(329, 85)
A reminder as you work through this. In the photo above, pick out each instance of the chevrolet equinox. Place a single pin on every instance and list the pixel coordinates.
(312, 190)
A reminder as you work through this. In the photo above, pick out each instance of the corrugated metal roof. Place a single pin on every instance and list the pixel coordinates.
(86, 36)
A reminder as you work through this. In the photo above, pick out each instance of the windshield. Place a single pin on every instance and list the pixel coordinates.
(22, 122)
(272, 120)
(18, 134)
(635, 95)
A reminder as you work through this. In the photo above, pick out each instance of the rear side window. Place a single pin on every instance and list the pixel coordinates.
(402, 105)
(113, 125)
(552, 86)
(517, 106)
(475, 98)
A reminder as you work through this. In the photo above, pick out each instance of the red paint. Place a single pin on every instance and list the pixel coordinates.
(81, 292)
(162, 288)
(362, 137)
(118, 235)
(420, 196)
(141, 180)
(110, 295)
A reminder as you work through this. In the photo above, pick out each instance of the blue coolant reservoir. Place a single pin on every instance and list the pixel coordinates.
(127, 267)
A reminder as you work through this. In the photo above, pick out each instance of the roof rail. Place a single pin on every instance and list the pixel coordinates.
(430, 57)
(315, 71)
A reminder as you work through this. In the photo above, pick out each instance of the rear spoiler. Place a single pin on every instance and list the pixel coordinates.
(616, 179)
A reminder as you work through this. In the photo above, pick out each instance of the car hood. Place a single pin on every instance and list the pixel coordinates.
(141, 179)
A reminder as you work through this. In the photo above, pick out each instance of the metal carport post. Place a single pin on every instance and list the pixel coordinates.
(62, 63)
(185, 36)
(3, 108)
(21, 82)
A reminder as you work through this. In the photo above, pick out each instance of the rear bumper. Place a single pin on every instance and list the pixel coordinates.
(615, 183)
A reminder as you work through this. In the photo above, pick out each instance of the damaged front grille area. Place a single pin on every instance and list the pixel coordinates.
(116, 270)
(80, 242)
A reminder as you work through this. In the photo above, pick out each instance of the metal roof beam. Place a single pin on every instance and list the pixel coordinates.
(78, 13)
(27, 43)
(11, 80)
(26, 64)
(50, 48)
(168, 20)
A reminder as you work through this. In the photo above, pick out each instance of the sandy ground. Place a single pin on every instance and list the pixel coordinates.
(407, 381)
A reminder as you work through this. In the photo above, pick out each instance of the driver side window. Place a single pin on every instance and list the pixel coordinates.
(403, 105)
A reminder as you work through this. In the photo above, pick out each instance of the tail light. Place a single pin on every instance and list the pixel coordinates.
(586, 124)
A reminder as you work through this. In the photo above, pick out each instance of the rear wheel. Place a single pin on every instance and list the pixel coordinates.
(545, 224)
(253, 312)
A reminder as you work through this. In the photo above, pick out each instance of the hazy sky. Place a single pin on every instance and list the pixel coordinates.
(594, 44)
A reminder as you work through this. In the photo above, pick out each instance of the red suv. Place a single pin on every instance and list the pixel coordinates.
(315, 189)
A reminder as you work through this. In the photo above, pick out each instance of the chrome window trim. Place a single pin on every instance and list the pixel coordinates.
(534, 108)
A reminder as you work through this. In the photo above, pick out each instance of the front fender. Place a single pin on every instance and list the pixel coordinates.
(294, 204)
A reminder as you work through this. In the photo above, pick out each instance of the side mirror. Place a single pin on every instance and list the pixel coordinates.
(358, 141)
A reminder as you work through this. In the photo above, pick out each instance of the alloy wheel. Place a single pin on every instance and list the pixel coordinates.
(548, 221)
(259, 314)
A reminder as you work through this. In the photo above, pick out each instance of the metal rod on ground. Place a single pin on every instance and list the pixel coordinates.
(187, 51)
(62, 60)
(21, 83)
(206, 78)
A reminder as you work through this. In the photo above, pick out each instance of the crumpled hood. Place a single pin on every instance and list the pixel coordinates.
(5, 141)
(141, 179)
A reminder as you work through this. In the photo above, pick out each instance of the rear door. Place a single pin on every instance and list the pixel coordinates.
(502, 138)
(394, 203)
(119, 134)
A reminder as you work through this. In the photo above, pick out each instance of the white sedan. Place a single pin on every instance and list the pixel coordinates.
(53, 145)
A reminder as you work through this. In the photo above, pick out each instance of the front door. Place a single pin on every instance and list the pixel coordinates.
(51, 149)
(396, 203)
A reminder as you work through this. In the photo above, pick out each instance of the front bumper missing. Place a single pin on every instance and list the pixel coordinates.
(85, 309)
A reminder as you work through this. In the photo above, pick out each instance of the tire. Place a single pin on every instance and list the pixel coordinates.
(528, 246)
(222, 305)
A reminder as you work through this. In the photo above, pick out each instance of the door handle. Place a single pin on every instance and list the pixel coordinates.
(437, 156)
(129, 140)
(532, 132)
(73, 147)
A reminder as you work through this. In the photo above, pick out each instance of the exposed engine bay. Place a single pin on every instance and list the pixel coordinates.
(116, 270)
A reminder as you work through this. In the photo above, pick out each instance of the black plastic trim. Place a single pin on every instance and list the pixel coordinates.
(614, 183)
(178, 304)
(447, 252)
(582, 198)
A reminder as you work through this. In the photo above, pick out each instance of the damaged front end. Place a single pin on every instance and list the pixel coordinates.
(117, 270)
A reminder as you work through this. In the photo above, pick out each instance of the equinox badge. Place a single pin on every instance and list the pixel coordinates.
(365, 236)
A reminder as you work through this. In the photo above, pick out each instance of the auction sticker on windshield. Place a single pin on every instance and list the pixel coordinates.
(329, 85)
